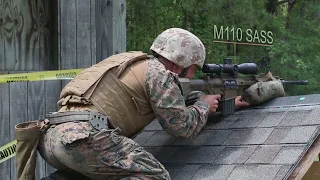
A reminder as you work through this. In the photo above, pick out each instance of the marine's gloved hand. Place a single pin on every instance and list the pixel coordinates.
(239, 103)
(263, 91)
(212, 100)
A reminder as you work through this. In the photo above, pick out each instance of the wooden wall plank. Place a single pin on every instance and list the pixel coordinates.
(93, 32)
(4, 127)
(68, 40)
(10, 40)
(18, 112)
(36, 111)
(67, 37)
(2, 37)
(110, 18)
(104, 29)
(26, 46)
(40, 36)
(119, 26)
(83, 32)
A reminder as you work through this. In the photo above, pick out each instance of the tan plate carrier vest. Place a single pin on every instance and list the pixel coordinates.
(116, 87)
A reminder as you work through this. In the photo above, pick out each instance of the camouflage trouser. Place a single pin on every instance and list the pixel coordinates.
(104, 155)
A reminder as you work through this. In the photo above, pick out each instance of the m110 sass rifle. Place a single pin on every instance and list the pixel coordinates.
(224, 79)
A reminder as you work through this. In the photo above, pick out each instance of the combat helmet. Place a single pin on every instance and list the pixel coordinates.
(180, 47)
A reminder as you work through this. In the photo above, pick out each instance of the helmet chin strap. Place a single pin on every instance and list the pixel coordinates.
(184, 72)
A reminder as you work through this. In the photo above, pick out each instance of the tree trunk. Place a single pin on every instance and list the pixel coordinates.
(291, 3)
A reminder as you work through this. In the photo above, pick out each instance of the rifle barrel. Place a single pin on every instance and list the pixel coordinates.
(299, 82)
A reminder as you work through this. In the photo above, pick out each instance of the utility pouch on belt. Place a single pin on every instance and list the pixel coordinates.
(27, 136)
(264, 90)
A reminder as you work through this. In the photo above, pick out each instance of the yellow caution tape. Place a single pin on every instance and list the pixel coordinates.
(40, 76)
(8, 151)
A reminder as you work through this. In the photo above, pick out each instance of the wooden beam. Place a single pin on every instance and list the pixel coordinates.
(306, 162)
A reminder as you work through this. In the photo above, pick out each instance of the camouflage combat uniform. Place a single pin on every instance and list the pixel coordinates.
(111, 154)
(108, 152)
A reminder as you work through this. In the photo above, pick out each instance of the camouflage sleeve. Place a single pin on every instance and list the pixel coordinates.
(169, 106)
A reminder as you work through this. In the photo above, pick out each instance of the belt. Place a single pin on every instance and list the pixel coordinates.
(96, 119)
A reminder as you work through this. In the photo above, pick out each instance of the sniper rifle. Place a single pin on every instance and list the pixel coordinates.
(224, 79)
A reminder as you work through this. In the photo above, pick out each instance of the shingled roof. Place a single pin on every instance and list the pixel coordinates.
(263, 142)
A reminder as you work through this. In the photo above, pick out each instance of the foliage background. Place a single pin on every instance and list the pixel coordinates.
(295, 25)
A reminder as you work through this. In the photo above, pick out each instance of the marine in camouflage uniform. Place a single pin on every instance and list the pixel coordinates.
(154, 92)
(130, 90)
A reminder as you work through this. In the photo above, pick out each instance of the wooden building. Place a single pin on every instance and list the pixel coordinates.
(39, 35)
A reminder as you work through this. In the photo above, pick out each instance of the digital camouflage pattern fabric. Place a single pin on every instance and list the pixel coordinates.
(180, 46)
(169, 106)
(103, 155)
(108, 155)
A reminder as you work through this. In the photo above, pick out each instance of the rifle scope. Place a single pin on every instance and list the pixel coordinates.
(228, 67)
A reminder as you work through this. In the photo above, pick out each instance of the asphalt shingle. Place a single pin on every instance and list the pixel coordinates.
(264, 154)
(254, 172)
(248, 120)
(295, 118)
(143, 137)
(248, 136)
(273, 119)
(262, 142)
(282, 172)
(196, 155)
(301, 134)
(182, 172)
(235, 155)
(277, 135)
(212, 172)
(288, 155)
(154, 126)
(163, 154)
(160, 139)
(216, 137)
(218, 123)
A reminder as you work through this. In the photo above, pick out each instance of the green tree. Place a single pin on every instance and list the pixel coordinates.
(294, 25)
